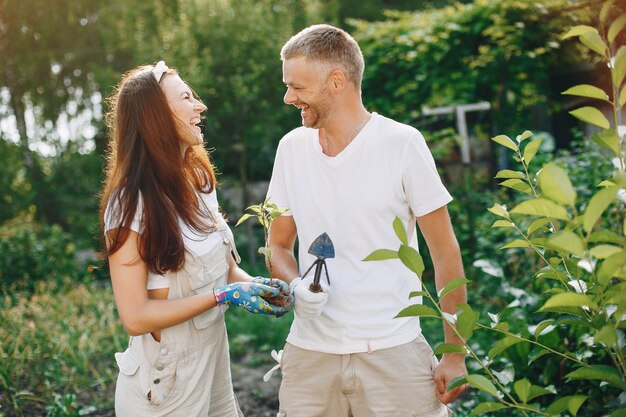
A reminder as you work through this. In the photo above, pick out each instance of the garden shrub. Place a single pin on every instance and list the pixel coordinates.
(558, 346)
(31, 252)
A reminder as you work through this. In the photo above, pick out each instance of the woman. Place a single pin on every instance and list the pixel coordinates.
(169, 252)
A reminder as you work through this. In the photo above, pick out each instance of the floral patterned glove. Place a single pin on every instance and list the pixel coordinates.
(284, 302)
(247, 295)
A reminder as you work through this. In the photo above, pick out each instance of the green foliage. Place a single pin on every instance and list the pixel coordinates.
(501, 51)
(265, 213)
(31, 252)
(73, 186)
(571, 358)
(57, 349)
(15, 190)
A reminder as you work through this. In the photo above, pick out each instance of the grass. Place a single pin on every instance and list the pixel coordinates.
(55, 344)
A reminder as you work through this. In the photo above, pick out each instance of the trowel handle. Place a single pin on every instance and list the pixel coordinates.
(315, 285)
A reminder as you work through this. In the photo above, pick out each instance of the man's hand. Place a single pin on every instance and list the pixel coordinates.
(308, 304)
(450, 367)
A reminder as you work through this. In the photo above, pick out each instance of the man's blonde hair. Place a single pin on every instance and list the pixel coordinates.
(327, 45)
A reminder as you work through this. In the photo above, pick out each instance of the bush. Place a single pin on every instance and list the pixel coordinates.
(30, 252)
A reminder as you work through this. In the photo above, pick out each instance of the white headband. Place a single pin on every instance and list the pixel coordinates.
(159, 69)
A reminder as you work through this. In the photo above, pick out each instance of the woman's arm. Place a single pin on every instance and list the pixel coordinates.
(139, 313)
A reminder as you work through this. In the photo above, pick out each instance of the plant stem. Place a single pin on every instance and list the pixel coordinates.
(579, 362)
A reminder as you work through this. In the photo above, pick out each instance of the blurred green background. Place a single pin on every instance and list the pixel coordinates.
(59, 61)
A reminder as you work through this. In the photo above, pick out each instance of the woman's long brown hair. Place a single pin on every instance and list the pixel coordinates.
(145, 158)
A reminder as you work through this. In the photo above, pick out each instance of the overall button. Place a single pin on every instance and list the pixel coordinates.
(156, 381)
(164, 351)
(160, 367)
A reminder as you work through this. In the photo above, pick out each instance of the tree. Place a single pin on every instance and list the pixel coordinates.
(47, 49)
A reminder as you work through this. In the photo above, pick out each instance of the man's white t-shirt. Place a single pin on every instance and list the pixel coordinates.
(387, 171)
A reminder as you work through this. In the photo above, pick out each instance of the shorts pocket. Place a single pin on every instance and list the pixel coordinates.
(127, 363)
(425, 354)
(162, 381)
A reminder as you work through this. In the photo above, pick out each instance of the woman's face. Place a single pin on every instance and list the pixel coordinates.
(185, 107)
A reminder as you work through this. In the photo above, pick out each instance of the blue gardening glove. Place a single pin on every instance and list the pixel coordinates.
(247, 295)
(286, 296)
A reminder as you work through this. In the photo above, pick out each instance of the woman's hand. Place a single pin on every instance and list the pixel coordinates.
(284, 302)
(249, 296)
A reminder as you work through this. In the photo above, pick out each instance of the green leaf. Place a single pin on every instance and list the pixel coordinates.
(579, 30)
(382, 255)
(507, 173)
(597, 205)
(542, 326)
(400, 230)
(517, 184)
(571, 403)
(619, 69)
(556, 185)
(449, 348)
(622, 96)
(466, 320)
(506, 142)
(606, 335)
(486, 407)
(457, 382)
(521, 138)
(417, 294)
(618, 412)
(593, 41)
(243, 219)
(483, 384)
(592, 116)
(517, 243)
(503, 344)
(451, 286)
(611, 267)
(586, 90)
(608, 139)
(604, 251)
(412, 259)
(537, 224)
(531, 150)
(502, 223)
(568, 299)
(499, 210)
(566, 241)
(604, 11)
(537, 391)
(418, 310)
(607, 236)
(616, 27)
(541, 207)
(601, 372)
(522, 389)
(536, 354)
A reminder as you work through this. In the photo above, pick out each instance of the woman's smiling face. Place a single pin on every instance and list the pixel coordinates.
(186, 108)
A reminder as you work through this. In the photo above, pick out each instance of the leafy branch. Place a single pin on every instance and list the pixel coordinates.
(265, 213)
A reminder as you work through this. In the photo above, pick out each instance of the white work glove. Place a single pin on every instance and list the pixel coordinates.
(308, 305)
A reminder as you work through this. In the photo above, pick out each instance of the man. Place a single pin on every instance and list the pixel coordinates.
(349, 173)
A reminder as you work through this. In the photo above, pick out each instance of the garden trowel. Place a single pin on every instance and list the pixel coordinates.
(322, 248)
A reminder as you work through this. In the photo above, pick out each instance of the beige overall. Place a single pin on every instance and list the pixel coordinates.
(187, 374)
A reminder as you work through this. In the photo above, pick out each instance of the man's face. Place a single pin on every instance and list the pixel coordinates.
(307, 89)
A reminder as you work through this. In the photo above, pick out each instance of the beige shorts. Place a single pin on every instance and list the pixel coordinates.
(394, 382)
